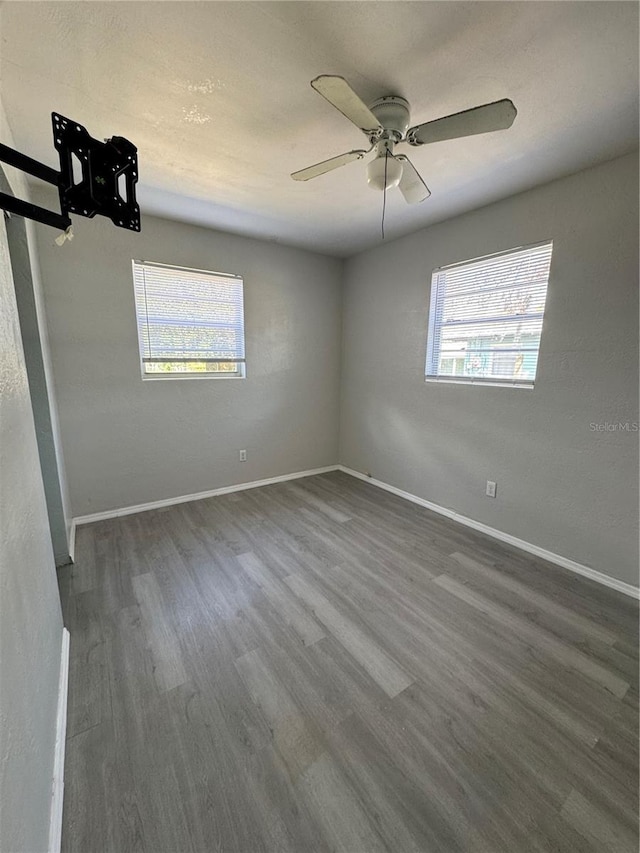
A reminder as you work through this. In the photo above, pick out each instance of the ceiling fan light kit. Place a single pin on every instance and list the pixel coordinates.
(384, 172)
(386, 124)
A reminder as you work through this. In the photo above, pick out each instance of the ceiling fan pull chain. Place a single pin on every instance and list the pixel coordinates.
(384, 190)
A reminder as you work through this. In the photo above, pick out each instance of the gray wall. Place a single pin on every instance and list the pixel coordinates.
(127, 441)
(561, 485)
(30, 322)
(49, 472)
(30, 617)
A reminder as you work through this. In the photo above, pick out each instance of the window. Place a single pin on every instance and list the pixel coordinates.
(485, 319)
(190, 322)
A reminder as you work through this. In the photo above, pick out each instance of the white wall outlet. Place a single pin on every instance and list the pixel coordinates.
(491, 489)
(242, 455)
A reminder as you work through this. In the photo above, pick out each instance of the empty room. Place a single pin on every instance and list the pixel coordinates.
(319, 426)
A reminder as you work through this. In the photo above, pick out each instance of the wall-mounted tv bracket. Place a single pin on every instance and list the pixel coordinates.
(104, 182)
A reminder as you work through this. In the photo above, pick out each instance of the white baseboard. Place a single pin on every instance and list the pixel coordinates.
(57, 795)
(181, 499)
(565, 562)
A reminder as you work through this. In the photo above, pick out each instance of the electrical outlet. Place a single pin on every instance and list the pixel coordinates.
(242, 455)
(491, 489)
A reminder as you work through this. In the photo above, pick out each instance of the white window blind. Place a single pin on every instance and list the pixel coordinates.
(485, 318)
(190, 322)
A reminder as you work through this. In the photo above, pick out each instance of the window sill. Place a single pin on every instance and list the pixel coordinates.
(176, 376)
(527, 386)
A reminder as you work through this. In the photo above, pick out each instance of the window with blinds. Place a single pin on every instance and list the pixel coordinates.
(190, 322)
(485, 318)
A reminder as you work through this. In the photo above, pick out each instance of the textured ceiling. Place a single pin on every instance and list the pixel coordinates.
(216, 96)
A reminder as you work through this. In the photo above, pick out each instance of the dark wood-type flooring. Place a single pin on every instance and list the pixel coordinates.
(321, 666)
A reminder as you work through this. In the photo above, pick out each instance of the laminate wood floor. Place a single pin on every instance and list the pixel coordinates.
(321, 666)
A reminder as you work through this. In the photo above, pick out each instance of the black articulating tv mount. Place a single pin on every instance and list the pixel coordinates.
(105, 183)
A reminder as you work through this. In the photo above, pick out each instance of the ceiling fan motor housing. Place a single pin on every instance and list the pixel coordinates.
(392, 112)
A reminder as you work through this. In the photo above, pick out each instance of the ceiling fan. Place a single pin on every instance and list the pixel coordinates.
(386, 124)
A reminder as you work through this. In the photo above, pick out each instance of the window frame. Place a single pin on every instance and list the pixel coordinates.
(432, 319)
(239, 373)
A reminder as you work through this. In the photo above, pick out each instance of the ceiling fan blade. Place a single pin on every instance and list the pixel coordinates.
(340, 94)
(411, 185)
(328, 165)
(496, 116)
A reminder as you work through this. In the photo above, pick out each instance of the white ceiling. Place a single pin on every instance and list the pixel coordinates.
(216, 96)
